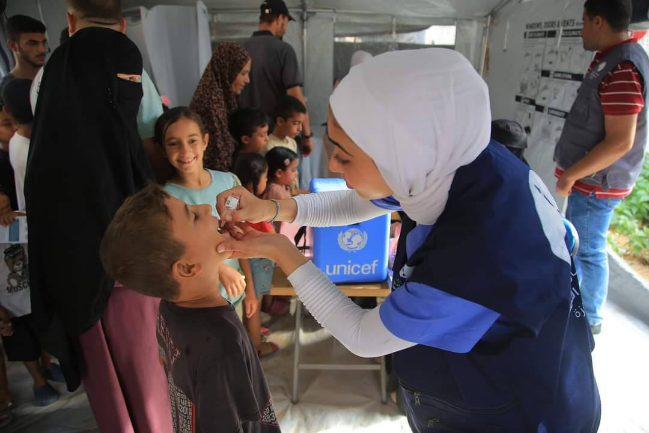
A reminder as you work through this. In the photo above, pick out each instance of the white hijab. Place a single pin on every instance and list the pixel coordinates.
(359, 57)
(420, 115)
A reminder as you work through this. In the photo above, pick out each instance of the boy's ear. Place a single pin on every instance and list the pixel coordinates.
(183, 271)
(206, 139)
(279, 121)
(13, 46)
(245, 139)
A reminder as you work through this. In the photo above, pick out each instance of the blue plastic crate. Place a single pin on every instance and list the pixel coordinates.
(356, 253)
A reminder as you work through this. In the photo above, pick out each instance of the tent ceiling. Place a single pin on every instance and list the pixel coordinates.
(454, 9)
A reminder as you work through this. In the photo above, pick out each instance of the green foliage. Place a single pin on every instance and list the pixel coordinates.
(631, 219)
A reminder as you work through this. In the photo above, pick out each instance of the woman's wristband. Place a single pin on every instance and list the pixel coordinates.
(277, 207)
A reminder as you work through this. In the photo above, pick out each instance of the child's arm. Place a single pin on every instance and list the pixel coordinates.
(250, 301)
(299, 192)
(232, 281)
(6, 327)
(5, 203)
(6, 219)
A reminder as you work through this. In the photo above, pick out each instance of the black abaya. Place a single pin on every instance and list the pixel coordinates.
(85, 159)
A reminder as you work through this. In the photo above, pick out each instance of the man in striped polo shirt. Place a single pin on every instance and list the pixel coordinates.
(602, 147)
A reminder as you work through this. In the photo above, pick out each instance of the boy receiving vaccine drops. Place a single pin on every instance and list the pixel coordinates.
(182, 139)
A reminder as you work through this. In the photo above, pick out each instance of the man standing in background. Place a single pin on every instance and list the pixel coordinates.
(275, 70)
(28, 43)
(602, 148)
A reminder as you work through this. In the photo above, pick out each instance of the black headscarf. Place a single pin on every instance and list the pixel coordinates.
(85, 159)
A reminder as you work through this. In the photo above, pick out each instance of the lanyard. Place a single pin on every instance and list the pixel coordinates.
(401, 270)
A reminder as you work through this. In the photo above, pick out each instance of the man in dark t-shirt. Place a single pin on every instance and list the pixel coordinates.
(27, 41)
(275, 70)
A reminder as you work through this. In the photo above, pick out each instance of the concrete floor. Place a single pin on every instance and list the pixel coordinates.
(350, 401)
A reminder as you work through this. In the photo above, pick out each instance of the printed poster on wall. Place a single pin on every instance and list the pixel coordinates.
(554, 64)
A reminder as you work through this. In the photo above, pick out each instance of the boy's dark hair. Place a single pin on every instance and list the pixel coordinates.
(249, 167)
(278, 158)
(139, 249)
(16, 98)
(172, 116)
(65, 35)
(288, 106)
(18, 24)
(617, 13)
(99, 11)
(245, 121)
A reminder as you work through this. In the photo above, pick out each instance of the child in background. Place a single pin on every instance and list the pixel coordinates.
(181, 137)
(159, 246)
(17, 327)
(252, 170)
(289, 116)
(8, 202)
(8, 127)
(282, 173)
(249, 127)
(16, 97)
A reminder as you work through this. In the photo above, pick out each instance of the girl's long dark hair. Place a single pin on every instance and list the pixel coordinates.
(279, 158)
(172, 116)
(249, 167)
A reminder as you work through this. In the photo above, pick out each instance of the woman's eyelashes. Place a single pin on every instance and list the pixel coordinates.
(341, 161)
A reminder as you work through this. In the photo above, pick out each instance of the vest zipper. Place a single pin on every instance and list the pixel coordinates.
(496, 410)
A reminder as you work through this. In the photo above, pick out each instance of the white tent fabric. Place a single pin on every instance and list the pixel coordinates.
(455, 9)
(204, 45)
(177, 54)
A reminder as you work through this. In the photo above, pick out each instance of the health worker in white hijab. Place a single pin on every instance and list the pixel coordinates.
(485, 321)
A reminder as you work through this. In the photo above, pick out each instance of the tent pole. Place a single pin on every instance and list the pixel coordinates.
(305, 33)
(485, 37)
(485, 44)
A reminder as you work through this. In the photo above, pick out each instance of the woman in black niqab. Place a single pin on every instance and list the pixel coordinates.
(85, 159)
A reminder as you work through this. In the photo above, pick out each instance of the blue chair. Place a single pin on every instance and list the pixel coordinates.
(572, 237)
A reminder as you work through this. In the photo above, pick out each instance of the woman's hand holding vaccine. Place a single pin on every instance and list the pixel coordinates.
(253, 244)
(250, 208)
(253, 209)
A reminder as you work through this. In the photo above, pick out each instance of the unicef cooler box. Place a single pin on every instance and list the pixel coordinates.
(357, 253)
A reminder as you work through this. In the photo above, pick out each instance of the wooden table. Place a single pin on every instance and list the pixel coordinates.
(282, 287)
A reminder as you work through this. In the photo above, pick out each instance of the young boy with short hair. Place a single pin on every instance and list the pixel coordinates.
(249, 127)
(160, 247)
(289, 117)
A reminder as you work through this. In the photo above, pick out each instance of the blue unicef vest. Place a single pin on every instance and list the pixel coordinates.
(584, 127)
(491, 246)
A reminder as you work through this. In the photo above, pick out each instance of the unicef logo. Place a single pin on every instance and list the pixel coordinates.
(352, 240)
